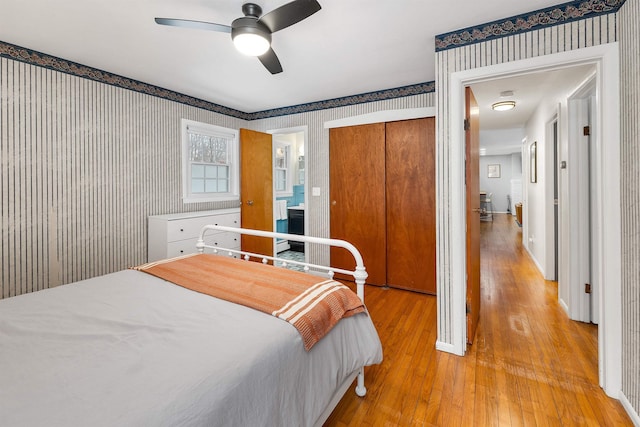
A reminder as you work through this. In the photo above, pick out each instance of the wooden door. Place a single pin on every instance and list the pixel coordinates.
(256, 189)
(357, 196)
(411, 204)
(472, 178)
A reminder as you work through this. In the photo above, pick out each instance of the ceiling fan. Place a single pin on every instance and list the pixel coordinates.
(251, 34)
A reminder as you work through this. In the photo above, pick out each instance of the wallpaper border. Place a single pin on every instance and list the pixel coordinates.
(551, 16)
(363, 98)
(32, 57)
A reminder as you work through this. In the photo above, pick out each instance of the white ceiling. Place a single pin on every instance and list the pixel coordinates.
(347, 48)
(528, 91)
(502, 131)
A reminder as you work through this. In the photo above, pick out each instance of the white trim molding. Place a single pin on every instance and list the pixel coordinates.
(382, 116)
(629, 408)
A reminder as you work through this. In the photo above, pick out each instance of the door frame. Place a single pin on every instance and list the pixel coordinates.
(552, 229)
(296, 129)
(606, 59)
(579, 262)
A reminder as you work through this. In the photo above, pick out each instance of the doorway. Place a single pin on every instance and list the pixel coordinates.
(289, 190)
(607, 217)
(583, 245)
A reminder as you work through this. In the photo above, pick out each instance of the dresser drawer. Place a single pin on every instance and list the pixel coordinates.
(223, 240)
(181, 229)
(173, 235)
(188, 246)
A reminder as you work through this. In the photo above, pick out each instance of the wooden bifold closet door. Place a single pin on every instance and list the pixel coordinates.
(382, 196)
(357, 197)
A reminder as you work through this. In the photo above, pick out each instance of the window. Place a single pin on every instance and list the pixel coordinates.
(282, 168)
(209, 162)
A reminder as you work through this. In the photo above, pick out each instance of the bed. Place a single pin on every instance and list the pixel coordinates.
(132, 349)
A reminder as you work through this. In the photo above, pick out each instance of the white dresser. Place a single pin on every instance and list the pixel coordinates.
(176, 234)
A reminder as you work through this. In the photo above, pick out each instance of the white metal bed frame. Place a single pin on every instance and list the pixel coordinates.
(359, 274)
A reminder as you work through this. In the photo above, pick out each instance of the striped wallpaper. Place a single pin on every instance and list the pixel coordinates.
(83, 165)
(629, 38)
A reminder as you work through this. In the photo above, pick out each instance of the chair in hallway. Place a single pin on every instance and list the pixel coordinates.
(486, 207)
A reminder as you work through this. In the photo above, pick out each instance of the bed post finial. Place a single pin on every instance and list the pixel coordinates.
(360, 275)
(200, 245)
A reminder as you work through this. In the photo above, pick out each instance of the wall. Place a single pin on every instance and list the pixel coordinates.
(537, 198)
(500, 187)
(500, 141)
(83, 165)
(629, 30)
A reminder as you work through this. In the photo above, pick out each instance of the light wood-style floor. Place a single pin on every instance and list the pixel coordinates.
(529, 365)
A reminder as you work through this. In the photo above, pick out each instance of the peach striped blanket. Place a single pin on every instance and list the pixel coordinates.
(312, 307)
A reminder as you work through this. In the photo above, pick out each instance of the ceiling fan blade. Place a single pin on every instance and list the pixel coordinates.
(271, 62)
(198, 25)
(289, 14)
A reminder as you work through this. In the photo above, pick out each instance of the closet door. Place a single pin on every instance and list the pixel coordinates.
(357, 196)
(411, 204)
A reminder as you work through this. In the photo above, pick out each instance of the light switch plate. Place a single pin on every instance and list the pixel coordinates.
(315, 191)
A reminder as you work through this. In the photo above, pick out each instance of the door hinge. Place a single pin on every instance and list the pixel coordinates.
(466, 124)
(586, 131)
(587, 288)
(468, 308)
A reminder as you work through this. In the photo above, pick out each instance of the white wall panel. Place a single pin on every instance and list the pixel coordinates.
(629, 38)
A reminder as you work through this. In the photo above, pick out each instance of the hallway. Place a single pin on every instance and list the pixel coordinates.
(545, 365)
(529, 365)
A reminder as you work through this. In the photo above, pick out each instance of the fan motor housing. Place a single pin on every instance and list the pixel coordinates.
(249, 25)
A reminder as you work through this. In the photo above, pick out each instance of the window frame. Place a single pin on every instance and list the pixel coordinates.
(289, 170)
(233, 162)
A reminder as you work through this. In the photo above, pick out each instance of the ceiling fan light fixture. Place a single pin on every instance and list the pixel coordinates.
(503, 105)
(251, 44)
(250, 36)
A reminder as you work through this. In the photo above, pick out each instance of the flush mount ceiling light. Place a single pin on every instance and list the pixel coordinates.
(503, 105)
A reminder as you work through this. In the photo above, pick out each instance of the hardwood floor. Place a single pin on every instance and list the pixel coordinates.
(529, 365)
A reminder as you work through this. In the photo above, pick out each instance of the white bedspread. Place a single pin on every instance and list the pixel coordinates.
(129, 349)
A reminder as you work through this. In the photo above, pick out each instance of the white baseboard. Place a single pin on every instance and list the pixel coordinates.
(630, 411)
(446, 347)
(564, 306)
(535, 261)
